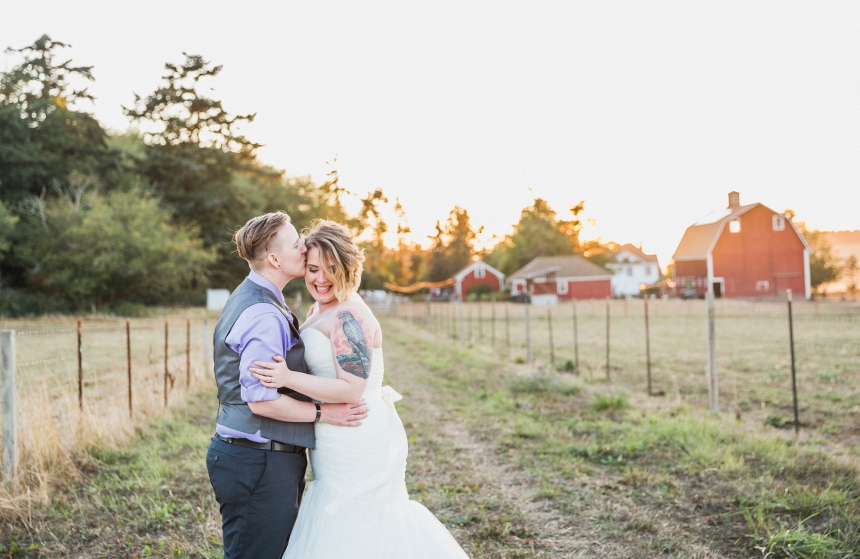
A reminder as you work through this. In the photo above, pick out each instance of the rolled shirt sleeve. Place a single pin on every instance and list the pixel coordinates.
(260, 333)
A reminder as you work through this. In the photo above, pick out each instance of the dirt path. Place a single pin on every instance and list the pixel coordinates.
(589, 519)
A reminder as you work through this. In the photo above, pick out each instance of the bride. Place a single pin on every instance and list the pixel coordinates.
(357, 506)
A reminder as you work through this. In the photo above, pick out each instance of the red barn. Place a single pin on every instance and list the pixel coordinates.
(477, 273)
(553, 278)
(743, 251)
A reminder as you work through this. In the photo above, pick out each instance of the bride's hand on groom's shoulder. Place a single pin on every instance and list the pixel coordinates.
(272, 375)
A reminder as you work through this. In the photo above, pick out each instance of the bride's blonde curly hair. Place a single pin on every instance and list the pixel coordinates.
(336, 245)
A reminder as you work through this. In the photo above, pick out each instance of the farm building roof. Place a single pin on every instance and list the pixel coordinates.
(700, 237)
(472, 265)
(573, 266)
(637, 251)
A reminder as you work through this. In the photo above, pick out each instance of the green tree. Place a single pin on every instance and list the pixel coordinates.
(202, 167)
(824, 266)
(850, 270)
(43, 136)
(7, 228)
(539, 232)
(93, 248)
(453, 245)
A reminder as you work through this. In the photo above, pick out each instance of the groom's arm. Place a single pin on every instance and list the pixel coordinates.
(287, 409)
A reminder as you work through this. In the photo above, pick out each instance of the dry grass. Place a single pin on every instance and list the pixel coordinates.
(752, 351)
(57, 437)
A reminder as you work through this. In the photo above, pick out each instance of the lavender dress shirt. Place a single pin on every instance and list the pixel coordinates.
(260, 333)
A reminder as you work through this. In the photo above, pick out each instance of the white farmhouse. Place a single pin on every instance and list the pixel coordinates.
(632, 268)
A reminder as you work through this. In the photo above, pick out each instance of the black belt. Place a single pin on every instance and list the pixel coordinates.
(271, 445)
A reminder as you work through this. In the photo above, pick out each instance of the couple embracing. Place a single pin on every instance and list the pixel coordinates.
(285, 390)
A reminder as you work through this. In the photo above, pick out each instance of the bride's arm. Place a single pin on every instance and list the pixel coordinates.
(352, 338)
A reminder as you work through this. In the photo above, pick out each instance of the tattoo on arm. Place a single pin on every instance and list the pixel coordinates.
(358, 361)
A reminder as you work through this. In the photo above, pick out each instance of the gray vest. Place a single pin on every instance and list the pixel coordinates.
(235, 413)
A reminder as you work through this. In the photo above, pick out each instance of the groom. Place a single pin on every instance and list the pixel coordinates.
(257, 458)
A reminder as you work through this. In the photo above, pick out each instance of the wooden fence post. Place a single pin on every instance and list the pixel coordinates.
(528, 336)
(205, 346)
(493, 323)
(10, 412)
(461, 328)
(128, 362)
(549, 325)
(793, 369)
(166, 373)
(713, 382)
(575, 340)
(647, 346)
(480, 322)
(187, 353)
(469, 319)
(80, 370)
(607, 339)
(507, 330)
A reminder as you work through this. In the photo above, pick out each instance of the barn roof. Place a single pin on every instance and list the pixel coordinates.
(699, 239)
(637, 252)
(572, 266)
(473, 265)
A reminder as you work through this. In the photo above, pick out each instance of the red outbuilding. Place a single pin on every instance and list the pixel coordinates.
(548, 279)
(743, 251)
(477, 273)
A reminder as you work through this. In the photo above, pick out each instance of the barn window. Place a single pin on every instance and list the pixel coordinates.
(763, 285)
(778, 223)
(561, 287)
(629, 270)
(480, 272)
(735, 226)
(647, 270)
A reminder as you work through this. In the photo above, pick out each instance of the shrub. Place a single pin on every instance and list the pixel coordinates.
(94, 248)
(611, 402)
(539, 385)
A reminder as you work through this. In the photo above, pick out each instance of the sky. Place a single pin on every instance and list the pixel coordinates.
(651, 112)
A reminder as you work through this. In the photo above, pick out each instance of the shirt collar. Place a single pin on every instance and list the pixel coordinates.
(263, 282)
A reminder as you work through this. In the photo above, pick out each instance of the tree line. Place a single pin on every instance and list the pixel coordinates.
(91, 218)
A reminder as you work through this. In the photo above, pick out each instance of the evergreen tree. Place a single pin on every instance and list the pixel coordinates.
(43, 136)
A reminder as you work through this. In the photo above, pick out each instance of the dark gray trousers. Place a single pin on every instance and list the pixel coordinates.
(259, 492)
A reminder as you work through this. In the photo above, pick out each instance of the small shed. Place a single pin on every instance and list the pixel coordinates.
(562, 278)
(477, 273)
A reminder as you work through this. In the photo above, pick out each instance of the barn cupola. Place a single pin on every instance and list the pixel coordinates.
(734, 199)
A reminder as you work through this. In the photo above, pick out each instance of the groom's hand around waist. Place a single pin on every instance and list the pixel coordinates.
(343, 415)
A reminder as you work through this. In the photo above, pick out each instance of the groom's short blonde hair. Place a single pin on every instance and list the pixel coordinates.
(253, 238)
(342, 260)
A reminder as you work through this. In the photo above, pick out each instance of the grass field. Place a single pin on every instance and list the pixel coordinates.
(517, 460)
(753, 354)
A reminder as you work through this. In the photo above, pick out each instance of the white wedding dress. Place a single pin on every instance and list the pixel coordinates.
(357, 506)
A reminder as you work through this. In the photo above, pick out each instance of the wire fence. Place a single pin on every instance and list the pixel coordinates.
(661, 348)
(86, 375)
